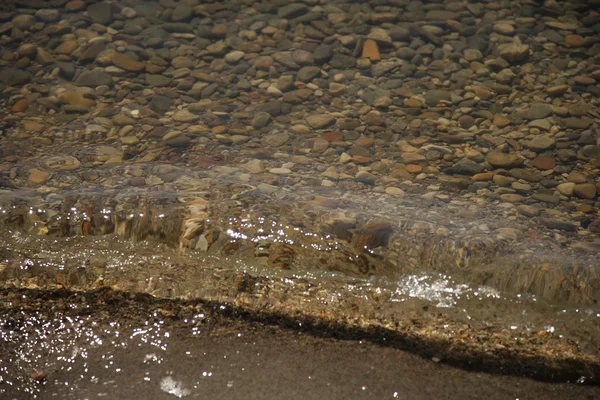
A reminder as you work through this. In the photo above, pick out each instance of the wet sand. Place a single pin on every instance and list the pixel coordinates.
(110, 345)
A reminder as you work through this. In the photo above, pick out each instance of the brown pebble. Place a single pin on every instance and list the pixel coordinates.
(334, 136)
(414, 169)
(483, 176)
(574, 41)
(544, 163)
(413, 103)
(530, 233)
(371, 50)
(20, 105)
(38, 376)
(361, 159)
(585, 190)
(586, 208)
(137, 181)
(501, 121)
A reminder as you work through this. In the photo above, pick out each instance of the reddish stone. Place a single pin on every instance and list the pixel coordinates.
(544, 163)
(334, 136)
(137, 181)
(20, 105)
(586, 208)
(400, 172)
(414, 169)
(574, 40)
(361, 159)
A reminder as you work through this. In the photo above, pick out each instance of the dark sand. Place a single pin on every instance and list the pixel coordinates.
(196, 351)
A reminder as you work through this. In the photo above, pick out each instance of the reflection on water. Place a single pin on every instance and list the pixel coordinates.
(238, 253)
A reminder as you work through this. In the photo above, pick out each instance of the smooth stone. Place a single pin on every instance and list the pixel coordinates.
(320, 121)
(501, 121)
(161, 104)
(62, 163)
(280, 171)
(566, 188)
(253, 166)
(541, 143)
(179, 141)
(558, 224)
(123, 120)
(546, 198)
(185, 116)
(292, 11)
(465, 167)
(502, 160)
(542, 124)
(408, 158)
(14, 77)
(441, 15)
(394, 191)
(563, 26)
(370, 50)
(576, 123)
(472, 55)
(28, 50)
(574, 41)
(306, 74)
(94, 78)
(544, 163)
(505, 76)
(47, 14)
(100, 13)
(336, 89)
(528, 211)
(577, 177)
(129, 140)
(156, 80)
(590, 151)
(276, 139)
(504, 29)
(502, 180)
(585, 190)
(234, 56)
(433, 97)
(303, 57)
(260, 120)
(181, 13)
(558, 90)
(365, 177)
(23, 21)
(126, 63)
(38, 176)
(76, 99)
(342, 61)
(514, 53)
(538, 111)
(526, 175)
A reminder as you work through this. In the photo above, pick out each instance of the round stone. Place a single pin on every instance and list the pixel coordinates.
(585, 190)
(544, 163)
(504, 29)
(502, 160)
(234, 56)
(541, 143)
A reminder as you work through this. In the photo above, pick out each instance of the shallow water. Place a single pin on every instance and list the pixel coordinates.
(239, 244)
